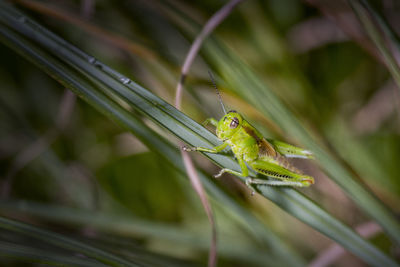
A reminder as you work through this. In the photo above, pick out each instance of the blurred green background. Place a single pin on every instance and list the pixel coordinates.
(67, 168)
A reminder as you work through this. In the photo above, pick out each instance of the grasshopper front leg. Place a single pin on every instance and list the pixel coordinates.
(242, 164)
(213, 122)
(214, 150)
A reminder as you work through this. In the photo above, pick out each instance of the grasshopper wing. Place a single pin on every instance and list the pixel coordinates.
(265, 149)
(268, 153)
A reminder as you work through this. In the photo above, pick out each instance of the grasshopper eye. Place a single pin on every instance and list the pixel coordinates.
(234, 123)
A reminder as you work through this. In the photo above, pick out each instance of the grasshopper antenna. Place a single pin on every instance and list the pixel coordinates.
(215, 86)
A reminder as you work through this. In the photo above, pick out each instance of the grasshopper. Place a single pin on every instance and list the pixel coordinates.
(265, 156)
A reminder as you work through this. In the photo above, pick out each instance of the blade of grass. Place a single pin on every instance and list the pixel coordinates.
(152, 140)
(290, 200)
(371, 22)
(64, 242)
(135, 227)
(34, 255)
(211, 24)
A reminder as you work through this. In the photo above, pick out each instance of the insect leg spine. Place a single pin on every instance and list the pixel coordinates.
(272, 173)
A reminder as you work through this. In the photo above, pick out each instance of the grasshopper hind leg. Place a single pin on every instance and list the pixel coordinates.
(250, 181)
(284, 176)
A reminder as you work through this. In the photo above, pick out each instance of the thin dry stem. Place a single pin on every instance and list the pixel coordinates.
(198, 187)
(87, 8)
(212, 23)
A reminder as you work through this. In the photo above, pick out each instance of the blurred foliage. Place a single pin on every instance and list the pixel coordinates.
(93, 171)
(148, 192)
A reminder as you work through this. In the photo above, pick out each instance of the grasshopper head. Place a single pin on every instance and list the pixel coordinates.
(229, 124)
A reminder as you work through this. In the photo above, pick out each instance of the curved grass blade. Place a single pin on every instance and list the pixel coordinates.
(34, 255)
(290, 200)
(63, 242)
(376, 28)
(129, 226)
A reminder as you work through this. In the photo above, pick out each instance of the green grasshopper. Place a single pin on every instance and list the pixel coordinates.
(265, 156)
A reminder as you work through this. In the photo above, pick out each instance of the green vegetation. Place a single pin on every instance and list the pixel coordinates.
(101, 180)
